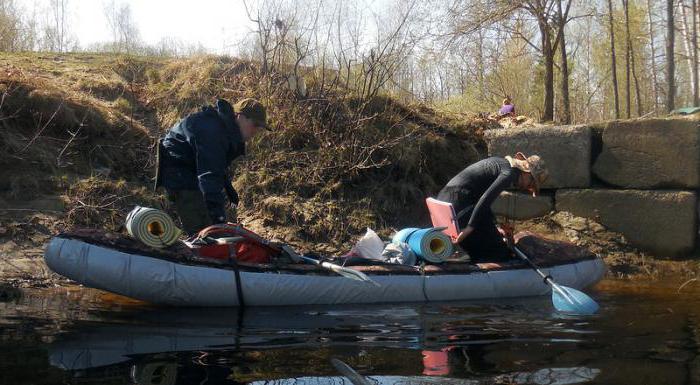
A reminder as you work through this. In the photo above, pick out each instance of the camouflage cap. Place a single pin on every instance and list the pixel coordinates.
(536, 167)
(253, 110)
(538, 170)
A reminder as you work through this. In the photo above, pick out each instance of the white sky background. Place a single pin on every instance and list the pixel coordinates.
(218, 25)
(213, 23)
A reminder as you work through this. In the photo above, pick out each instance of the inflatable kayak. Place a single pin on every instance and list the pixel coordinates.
(120, 265)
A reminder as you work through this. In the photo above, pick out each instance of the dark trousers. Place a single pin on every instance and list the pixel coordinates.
(191, 209)
(485, 244)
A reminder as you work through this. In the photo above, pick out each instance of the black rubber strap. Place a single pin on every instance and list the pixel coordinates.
(421, 270)
(546, 278)
(237, 273)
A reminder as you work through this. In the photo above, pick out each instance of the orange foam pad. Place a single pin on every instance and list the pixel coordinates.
(442, 214)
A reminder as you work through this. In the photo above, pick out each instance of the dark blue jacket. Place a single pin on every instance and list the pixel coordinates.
(197, 151)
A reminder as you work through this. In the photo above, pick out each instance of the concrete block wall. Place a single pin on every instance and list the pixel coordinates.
(639, 177)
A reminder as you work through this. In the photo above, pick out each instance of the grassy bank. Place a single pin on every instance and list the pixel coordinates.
(83, 127)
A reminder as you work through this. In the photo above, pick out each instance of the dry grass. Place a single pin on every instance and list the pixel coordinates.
(101, 202)
(332, 166)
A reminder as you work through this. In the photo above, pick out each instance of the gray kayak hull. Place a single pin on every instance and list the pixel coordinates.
(164, 282)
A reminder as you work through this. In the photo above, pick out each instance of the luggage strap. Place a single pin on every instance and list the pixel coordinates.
(237, 274)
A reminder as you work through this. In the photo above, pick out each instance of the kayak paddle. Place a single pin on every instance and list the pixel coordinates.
(344, 271)
(345, 369)
(565, 299)
(340, 270)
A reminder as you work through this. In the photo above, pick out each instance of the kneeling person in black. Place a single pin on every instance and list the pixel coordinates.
(475, 188)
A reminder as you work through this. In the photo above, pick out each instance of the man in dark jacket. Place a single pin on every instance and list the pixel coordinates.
(194, 156)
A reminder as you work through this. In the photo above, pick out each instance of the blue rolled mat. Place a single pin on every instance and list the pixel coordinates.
(430, 244)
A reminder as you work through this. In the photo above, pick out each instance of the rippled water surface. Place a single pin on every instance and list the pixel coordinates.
(644, 334)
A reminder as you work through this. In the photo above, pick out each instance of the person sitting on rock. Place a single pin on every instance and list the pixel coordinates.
(508, 108)
(475, 188)
(194, 156)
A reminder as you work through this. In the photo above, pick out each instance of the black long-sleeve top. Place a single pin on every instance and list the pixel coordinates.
(475, 188)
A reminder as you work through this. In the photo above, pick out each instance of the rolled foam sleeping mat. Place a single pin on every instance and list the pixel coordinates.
(430, 244)
(152, 227)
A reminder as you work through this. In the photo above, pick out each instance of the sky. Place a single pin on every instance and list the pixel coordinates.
(213, 23)
(218, 25)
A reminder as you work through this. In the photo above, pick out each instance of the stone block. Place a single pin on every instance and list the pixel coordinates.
(650, 154)
(566, 150)
(663, 223)
(517, 205)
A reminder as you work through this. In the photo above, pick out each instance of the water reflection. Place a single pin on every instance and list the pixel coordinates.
(170, 346)
(63, 339)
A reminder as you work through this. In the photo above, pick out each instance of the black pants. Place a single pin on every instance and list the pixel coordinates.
(191, 209)
(485, 244)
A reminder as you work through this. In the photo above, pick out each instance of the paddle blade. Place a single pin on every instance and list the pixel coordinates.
(345, 369)
(349, 273)
(568, 300)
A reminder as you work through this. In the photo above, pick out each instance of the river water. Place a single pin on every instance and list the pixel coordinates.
(645, 333)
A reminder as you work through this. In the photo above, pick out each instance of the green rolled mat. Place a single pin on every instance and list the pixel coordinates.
(152, 227)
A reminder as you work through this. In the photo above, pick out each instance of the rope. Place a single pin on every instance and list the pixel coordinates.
(152, 227)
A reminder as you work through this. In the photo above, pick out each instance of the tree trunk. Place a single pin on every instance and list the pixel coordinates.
(548, 55)
(670, 60)
(655, 80)
(696, 88)
(612, 56)
(588, 69)
(628, 94)
(630, 61)
(566, 116)
(685, 31)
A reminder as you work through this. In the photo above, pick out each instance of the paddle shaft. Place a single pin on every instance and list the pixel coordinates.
(564, 298)
(284, 248)
(547, 278)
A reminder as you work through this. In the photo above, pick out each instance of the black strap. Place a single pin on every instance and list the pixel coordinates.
(237, 273)
(547, 278)
(421, 270)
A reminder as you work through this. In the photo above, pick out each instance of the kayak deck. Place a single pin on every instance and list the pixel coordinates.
(542, 251)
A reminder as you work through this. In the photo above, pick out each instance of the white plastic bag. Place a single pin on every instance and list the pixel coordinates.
(369, 246)
(400, 254)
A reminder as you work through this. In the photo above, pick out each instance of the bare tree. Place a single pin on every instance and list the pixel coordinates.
(540, 9)
(687, 44)
(613, 61)
(630, 64)
(696, 87)
(125, 32)
(57, 28)
(566, 116)
(670, 60)
(10, 26)
(628, 94)
(652, 37)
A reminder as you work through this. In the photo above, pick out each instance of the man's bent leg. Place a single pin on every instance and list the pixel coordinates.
(191, 209)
